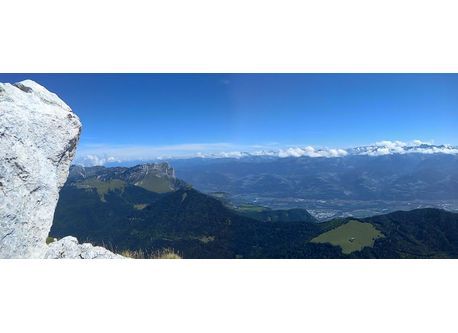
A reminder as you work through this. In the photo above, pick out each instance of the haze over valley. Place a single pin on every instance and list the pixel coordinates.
(361, 181)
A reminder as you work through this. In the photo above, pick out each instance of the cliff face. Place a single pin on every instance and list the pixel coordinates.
(38, 138)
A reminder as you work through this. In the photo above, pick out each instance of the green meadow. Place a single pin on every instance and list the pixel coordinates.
(103, 187)
(351, 236)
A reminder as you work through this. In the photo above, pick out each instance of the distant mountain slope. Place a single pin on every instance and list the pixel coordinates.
(82, 212)
(388, 177)
(155, 177)
(353, 185)
(105, 206)
(280, 215)
(110, 207)
(200, 226)
(420, 233)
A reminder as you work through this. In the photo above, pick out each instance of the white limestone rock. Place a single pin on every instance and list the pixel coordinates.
(38, 138)
(68, 248)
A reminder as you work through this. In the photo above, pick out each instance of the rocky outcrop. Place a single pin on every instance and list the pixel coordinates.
(131, 175)
(68, 248)
(155, 177)
(38, 138)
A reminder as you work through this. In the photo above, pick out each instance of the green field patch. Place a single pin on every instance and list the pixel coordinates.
(156, 184)
(351, 236)
(103, 187)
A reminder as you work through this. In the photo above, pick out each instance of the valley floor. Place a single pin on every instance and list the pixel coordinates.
(327, 209)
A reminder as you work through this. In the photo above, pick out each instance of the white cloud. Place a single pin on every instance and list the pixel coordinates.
(399, 147)
(420, 142)
(378, 152)
(311, 152)
(93, 160)
(437, 150)
(100, 154)
(337, 152)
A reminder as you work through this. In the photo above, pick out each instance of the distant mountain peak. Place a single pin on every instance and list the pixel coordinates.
(155, 177)
(160, 169)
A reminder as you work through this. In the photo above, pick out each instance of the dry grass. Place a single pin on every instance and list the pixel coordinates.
(159, 254)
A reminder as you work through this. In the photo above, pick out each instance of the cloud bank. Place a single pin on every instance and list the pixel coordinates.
(102, 154)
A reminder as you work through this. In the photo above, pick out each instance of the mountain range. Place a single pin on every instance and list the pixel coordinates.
(378, 149)
(353, 185)
(361, 181)
(147, 208)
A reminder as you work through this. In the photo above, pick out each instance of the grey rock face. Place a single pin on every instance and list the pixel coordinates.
(38, 138)
(139, 172)
(131, 175)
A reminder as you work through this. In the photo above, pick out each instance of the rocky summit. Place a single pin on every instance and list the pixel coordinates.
(155, 177)
(38, 138)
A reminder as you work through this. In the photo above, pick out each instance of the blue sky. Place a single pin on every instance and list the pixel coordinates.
(160, 114)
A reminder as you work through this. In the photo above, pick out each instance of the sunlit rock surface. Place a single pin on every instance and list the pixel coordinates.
(68, 248)
(38, 138)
